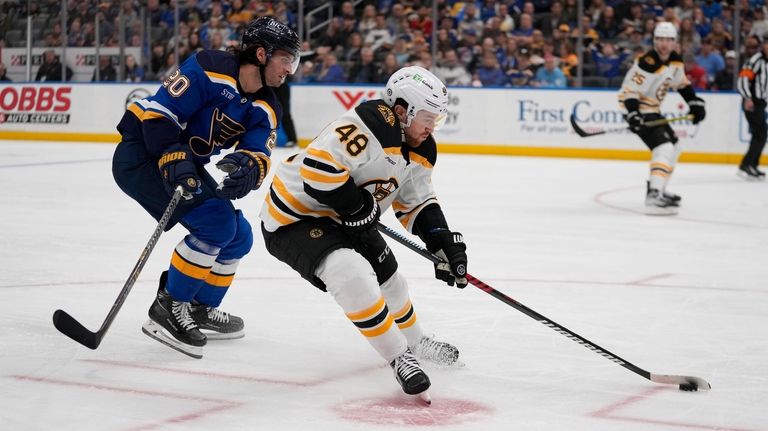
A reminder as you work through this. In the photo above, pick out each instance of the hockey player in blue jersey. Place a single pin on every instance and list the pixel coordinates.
(215, 101)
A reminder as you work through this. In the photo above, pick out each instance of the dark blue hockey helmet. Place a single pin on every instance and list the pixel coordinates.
(270, 34)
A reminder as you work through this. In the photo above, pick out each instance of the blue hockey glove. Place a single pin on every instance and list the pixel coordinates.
(246, 171)
(178, 169)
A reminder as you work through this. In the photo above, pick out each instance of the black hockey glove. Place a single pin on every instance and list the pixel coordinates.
(245, 172)
(696, 106)
(636, 121)
(364, 217)
(450, 247)
(178, 169)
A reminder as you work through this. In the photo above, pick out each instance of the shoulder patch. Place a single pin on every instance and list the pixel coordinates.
(650, 62)
(387, 113)
(382, 122)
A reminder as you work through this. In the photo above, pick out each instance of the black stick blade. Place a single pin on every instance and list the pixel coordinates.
(70, 327)
(581, 132)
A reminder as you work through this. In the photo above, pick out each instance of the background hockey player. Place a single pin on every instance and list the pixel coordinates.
(216, 100)
(646, 84)
(321, 211)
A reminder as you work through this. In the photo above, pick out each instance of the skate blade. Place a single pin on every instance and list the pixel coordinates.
(156, 332)
(213, 335)
(424, 398)
(658, 211)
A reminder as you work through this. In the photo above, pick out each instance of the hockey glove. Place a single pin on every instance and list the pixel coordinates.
(696, 106)
(178, 169)
(364, 217)
(246, 171)
(450, 247)
(636, 121)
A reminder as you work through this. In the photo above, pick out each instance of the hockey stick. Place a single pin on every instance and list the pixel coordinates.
(73, 329)
(685, 383)
(660, 122)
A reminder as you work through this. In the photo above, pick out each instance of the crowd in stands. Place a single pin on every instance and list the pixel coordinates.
(508, 43)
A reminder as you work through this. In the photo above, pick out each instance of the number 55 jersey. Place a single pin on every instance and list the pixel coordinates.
(366, 144)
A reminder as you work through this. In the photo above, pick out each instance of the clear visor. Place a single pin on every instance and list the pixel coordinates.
(430, 119)
(287, 60)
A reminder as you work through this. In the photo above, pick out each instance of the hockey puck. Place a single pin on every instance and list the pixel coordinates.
(689, 387)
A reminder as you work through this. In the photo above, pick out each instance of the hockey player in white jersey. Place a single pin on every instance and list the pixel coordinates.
(320, 217)
(646, 84)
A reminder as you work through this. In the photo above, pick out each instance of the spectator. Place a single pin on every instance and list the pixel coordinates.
(607, 25)
(690, 40)
(549, 76)
(701, 22)
(489, 73)
(607, 61)
(506, 22)
(524, 71)
(133, 71)
(719, 37)
(3, 76)
(695, 73)
(724, 78)
(157, 59)
(365, 69)
(451, 71)
(709, 59)
(388, 67)
(106, 71)
(379, 34)
(712, 9)
(330, 71)
(51, 69)
(759, 23)
(552, 20)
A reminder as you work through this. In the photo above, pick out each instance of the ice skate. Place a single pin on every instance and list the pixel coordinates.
(657, 204)
(216, 324)
(411, 377)
(170, 323)
(667, 195)
(438, 352)
(751, 173)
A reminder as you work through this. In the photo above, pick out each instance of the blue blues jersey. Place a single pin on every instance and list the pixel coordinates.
(201, 108)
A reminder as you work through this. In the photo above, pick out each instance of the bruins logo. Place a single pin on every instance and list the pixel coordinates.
(315, 233)
(382, 188)
(650, 60)
(388, 115)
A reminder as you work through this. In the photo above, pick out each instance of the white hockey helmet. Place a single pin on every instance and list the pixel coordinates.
(421, 90)
(665, 29)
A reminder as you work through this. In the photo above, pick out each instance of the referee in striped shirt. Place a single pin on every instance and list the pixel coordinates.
(753, 87)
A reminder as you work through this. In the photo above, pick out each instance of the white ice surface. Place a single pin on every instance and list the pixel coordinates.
(673, 295)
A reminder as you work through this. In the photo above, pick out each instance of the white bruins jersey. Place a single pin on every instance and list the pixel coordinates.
(365, 144)
(650, 79)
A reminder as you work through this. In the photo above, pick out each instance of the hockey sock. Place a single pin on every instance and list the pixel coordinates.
(217, 283)
(352, 282)
(395, 292)
(190, 266)
(663, 160)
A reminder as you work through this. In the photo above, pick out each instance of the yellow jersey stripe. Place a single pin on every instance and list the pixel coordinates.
(326, 157)
(416, 158)
(276, 213)
(282, 192)
(189, 269)
(322, 178)
(270, 112)
(368, 312)
(370, 333)
(219, 280)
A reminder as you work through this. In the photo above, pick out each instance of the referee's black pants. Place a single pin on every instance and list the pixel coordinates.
(759, 130)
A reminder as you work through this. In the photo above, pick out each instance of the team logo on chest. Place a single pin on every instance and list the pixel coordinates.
(222, 129)
(382, 188)
(315, 233)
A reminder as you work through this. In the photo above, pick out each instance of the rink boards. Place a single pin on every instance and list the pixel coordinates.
(483, 121)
